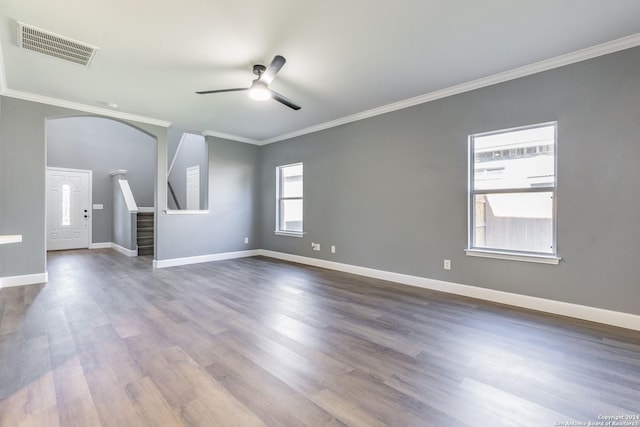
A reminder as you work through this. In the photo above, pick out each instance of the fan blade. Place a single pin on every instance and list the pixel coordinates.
(275, 66)
(237, 89)
(284, 100)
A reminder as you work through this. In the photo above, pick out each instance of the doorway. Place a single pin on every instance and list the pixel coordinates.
(68, 208)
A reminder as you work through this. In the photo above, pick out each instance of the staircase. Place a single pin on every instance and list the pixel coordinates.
(145, 233)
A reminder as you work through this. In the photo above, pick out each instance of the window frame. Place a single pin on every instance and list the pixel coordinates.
(509, 254)
(279, 199)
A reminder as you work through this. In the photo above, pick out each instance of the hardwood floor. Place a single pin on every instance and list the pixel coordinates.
(251, 342)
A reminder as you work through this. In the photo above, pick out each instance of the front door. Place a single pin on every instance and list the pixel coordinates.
(68, 209)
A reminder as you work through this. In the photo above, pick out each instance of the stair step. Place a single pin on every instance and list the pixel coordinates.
(145, 223)
(145, 250)
(148, 241)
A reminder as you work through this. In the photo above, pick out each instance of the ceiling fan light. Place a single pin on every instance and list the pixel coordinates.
(260, 93)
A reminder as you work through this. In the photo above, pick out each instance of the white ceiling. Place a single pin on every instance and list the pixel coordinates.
(344, 57)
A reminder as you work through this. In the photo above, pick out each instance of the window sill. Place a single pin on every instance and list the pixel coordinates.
(541, 259)
(289, 233)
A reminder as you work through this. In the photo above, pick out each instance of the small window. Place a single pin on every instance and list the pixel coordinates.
(289, 199)
(512, 191)
(66, 205)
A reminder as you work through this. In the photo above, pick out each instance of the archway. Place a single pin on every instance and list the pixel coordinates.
(106, 147)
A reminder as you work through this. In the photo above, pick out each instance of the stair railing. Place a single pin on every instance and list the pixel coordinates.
(173, 195)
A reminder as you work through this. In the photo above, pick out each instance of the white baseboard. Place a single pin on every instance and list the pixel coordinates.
(101, 245)
(27, 279)
(124, 251)
(147, 209)
(594, 314)
(174, 262)
(114, 246)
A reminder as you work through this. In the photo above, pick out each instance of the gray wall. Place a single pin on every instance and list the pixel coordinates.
(104, 145)
(391, 191)
(22, 181)
(233, 207)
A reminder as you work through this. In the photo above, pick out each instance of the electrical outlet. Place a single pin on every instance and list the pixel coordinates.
(333, 249)
(317, 247)
(246, 240)
(447, 264)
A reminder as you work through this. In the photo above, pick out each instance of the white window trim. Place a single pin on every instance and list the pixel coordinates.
(540, 259)
(289, 233)
(551, 258)
(278, 231)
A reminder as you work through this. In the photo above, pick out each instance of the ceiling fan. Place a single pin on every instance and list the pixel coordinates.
(259, 89)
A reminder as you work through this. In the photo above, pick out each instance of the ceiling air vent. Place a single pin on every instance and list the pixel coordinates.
(55, 45)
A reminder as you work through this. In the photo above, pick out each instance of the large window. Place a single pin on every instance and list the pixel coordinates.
(512, 189)
(289, 203)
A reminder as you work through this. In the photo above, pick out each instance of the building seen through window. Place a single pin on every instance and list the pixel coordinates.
(512, 190)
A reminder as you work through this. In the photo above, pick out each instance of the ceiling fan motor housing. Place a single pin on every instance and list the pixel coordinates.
(258, 69)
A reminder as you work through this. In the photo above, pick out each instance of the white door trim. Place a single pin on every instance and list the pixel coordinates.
(90, 172)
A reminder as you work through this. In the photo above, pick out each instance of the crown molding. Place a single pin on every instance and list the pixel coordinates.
(527, 70)
(26, 96)
(231, 137)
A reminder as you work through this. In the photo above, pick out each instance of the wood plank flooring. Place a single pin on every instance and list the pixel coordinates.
(255, 342)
